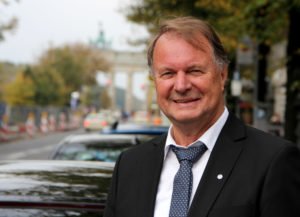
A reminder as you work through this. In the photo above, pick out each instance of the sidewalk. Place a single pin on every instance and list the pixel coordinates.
(10, 133)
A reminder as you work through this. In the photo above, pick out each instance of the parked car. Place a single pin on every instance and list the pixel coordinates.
(53, 188)
(98, 121)
(95, 146)
(137, 129)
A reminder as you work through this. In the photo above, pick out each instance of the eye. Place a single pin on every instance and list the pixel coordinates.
(196, 71)
(166, 74)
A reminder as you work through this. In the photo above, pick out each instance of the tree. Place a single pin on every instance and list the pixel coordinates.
(232, 18)
(48, 85)
(7, 25)
(279, 20)
(58, 72)
(8, 72)
(149, 13)
(20, 91)
(267, 23)
(293, 82)
(74, 65)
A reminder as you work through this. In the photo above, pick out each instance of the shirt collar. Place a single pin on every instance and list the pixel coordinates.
(209, 138)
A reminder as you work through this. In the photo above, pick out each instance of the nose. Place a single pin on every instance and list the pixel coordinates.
(182, 82)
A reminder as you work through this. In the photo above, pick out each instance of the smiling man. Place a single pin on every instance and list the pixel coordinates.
(189, 83)
(209, 163)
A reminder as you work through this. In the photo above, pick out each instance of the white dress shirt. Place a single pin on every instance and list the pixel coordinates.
(171, 166)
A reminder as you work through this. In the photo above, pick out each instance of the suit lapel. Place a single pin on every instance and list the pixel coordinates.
(222, 160)
(150, 175)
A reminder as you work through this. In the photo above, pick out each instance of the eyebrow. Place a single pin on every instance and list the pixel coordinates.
(191, 67)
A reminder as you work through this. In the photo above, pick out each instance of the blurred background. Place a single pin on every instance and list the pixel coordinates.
(61, 60)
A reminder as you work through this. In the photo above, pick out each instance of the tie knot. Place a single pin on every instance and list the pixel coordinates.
(191, 154)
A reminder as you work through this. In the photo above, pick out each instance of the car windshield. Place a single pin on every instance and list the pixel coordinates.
(102, 151)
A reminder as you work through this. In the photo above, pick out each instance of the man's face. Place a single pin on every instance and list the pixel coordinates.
(189, 85)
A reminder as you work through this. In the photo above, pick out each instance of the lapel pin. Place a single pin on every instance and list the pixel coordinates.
(219, 176)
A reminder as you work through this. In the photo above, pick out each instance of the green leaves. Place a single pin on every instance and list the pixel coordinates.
(58, 72)
(263, 20)
(20, 91)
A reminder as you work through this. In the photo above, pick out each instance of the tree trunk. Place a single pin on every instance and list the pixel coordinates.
(292, 114)
(262, 65)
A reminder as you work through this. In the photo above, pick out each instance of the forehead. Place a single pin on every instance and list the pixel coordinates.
(196, 40)
(176, 46)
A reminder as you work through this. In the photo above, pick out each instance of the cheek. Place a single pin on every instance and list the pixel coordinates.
(203, 85)
(210, 86)
(217, 90)
(162, 89)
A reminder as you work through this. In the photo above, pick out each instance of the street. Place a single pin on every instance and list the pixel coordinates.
(33, 148)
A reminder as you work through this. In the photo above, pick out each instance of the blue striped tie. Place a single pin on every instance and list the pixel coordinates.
(183, 181)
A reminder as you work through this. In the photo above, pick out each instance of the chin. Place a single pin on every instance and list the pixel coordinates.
(185, 118)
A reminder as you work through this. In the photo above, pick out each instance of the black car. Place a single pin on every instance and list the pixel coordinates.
(53, 188)
(95, 147)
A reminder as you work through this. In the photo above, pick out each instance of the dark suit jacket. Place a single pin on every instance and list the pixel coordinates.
(261, 177)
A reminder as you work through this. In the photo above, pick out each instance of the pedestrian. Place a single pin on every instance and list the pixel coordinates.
(209, 164)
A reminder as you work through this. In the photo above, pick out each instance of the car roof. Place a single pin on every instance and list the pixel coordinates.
(137, 129)
(94, 137)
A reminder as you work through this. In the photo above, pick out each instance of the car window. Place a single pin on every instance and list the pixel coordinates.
(104, 151)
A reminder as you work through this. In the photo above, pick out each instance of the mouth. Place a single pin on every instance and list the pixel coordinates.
(188, 100)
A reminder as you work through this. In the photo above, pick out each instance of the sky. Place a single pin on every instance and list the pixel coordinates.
(54, 22)
(45, 23)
